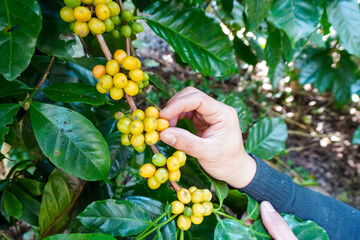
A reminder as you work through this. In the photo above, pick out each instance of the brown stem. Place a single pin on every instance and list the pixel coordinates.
(104, 47)
(46, 73)
(128, 46)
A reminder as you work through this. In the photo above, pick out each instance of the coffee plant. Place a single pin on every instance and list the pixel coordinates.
(85, 158)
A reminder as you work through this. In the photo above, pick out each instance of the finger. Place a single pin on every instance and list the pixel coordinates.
(183, 140)
(274, 223)
(183, 92)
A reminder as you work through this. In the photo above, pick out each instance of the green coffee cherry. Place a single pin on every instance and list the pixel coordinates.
(126, 15)
(125, 31)
(137, 27)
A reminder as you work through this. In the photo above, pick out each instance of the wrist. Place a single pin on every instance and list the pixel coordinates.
(243, 172)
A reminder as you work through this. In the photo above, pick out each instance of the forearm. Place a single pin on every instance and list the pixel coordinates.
(339, 220)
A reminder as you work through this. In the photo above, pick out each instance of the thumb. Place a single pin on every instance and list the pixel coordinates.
(183, 140)
(274, 223)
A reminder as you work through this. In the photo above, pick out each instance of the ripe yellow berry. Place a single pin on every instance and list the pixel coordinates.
(147, 170)
(100, 89)
(141, 148)
(150, 124)
(184, 196)
(131, 88)
(98, 71)
(112, 67)
(138, 114)
(152, 183)
(106, 82)
(162, 124)
(138, 63)
(183, 222)
(97, 2)
(82, 14)
(137, 140)
(125, 139)
(173, 164)
(151, 138)
(192, 189)
(120, 55)
(152, 112)
(198, 196)
(208, 195)
(102, 11)
(86, 1)
(197, 219)
(208, 206)
(129, 63)
(136, 75)
(136, 127)
(114, 8)
(175, 176)
(177, 207)
(161, 175)
(66, 14)
(198, 209)
(116, 93)
(123, 125)
(96, 26)
(120, 80)
(81, 29)
(181, 156)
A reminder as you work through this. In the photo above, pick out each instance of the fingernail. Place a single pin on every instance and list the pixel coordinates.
(268, 206)
(168, 138)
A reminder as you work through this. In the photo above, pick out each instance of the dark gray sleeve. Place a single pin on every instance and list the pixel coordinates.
(340, 220)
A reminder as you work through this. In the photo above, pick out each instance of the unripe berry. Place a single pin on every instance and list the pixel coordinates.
(106, 82)
(137, 140)
(97, 2)
(188, 211)
(152, 112)
(102, 11)
(175, 176)
(71, 26)
(136, 127)
(114, 8)
(120, 80)
(138, 114)
(184, 195)
(109, 25)
(183, 222)
(177, 207)
(116, 34)
(136, 75)
(146, 76)
(116, 93)
(173, 164)
(112, 67)
(123, 125)
(197, 219)
(125, 139)
(159, 159)
(162, 124)
(116, 20)
(82, 14)
(100, 89)
(152, 183)
(66, 14)
(208, 195)
(208, 206)
(137, 27)
(141, 148)
(161, 175)
(86, 1)
(181, 156)
(198, 209)
(98, 71)
(147, 170)
(125, 31)
(119, 115)
(81, 29)
(126, 15)
(151, 138)
(131, 88)
(197, 196)
(120, 55)
(72, 3)
(150, 124)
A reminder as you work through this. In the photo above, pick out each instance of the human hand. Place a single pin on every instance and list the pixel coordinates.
(218, 143)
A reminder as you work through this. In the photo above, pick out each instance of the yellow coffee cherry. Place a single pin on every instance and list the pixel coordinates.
(98, 71)
(106, 82)
(123, 125)
(184, 196)
(151, 138)
(192, 189)
(198, 209)
(162, 124)
(129, 63)
(175, 176)
(66, 14)
(125, 139)
(81, 29)
(82, 14)
(150, 124)
(197, 219)
(138, 63)
(112, 67)
(100, 89)
(208, 206)
(147, 170)
(173, 164)
(97, 2)
(183, 222)
(177, 207)
(120, 80)
(152, 112)
(102, 11)
(152, 183)
(136, 75)
(131, 88)
(119, 115)
(86, 1)
(96, 26)
(207, 194)
(181, 156)
(138, 114)
(161, 175)
(141, 148)
(120, 55)
(136, 127)
(114, 8)
(137, 140)
(116, 93)
(198, 196)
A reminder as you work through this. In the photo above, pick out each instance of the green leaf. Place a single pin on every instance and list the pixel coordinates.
(70, 141)
(10, 205)
(221, 188)
(196, 38)
(356, 137)
(235, 18)
(7, 113)
(56, 38)
(32, 186)
(81, 236)
(20, 25)
(227, 5)
(237, 202)
(305, 229)
(273, 49)
(10, 88)
(75, 92)
(231, 229)
(59, 196)
(192, 174)
(277, 73)
(259, 230)
(244, 113)
(267, 138)
(31, 208)
(161, 84)
(117, 218)
(256, 10)
(82, 68)
(244, 52)
(344, 15)
(253, 209)
(298, 18)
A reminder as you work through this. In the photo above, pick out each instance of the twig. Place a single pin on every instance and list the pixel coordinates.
(46, 73)
(303, 134)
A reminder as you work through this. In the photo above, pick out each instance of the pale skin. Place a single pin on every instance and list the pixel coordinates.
(218, 145)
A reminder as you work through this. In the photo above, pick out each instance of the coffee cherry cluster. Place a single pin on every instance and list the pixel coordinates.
(141, 128)
(192, 205)
(128, 26)
(130, 80)
(167, 169)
